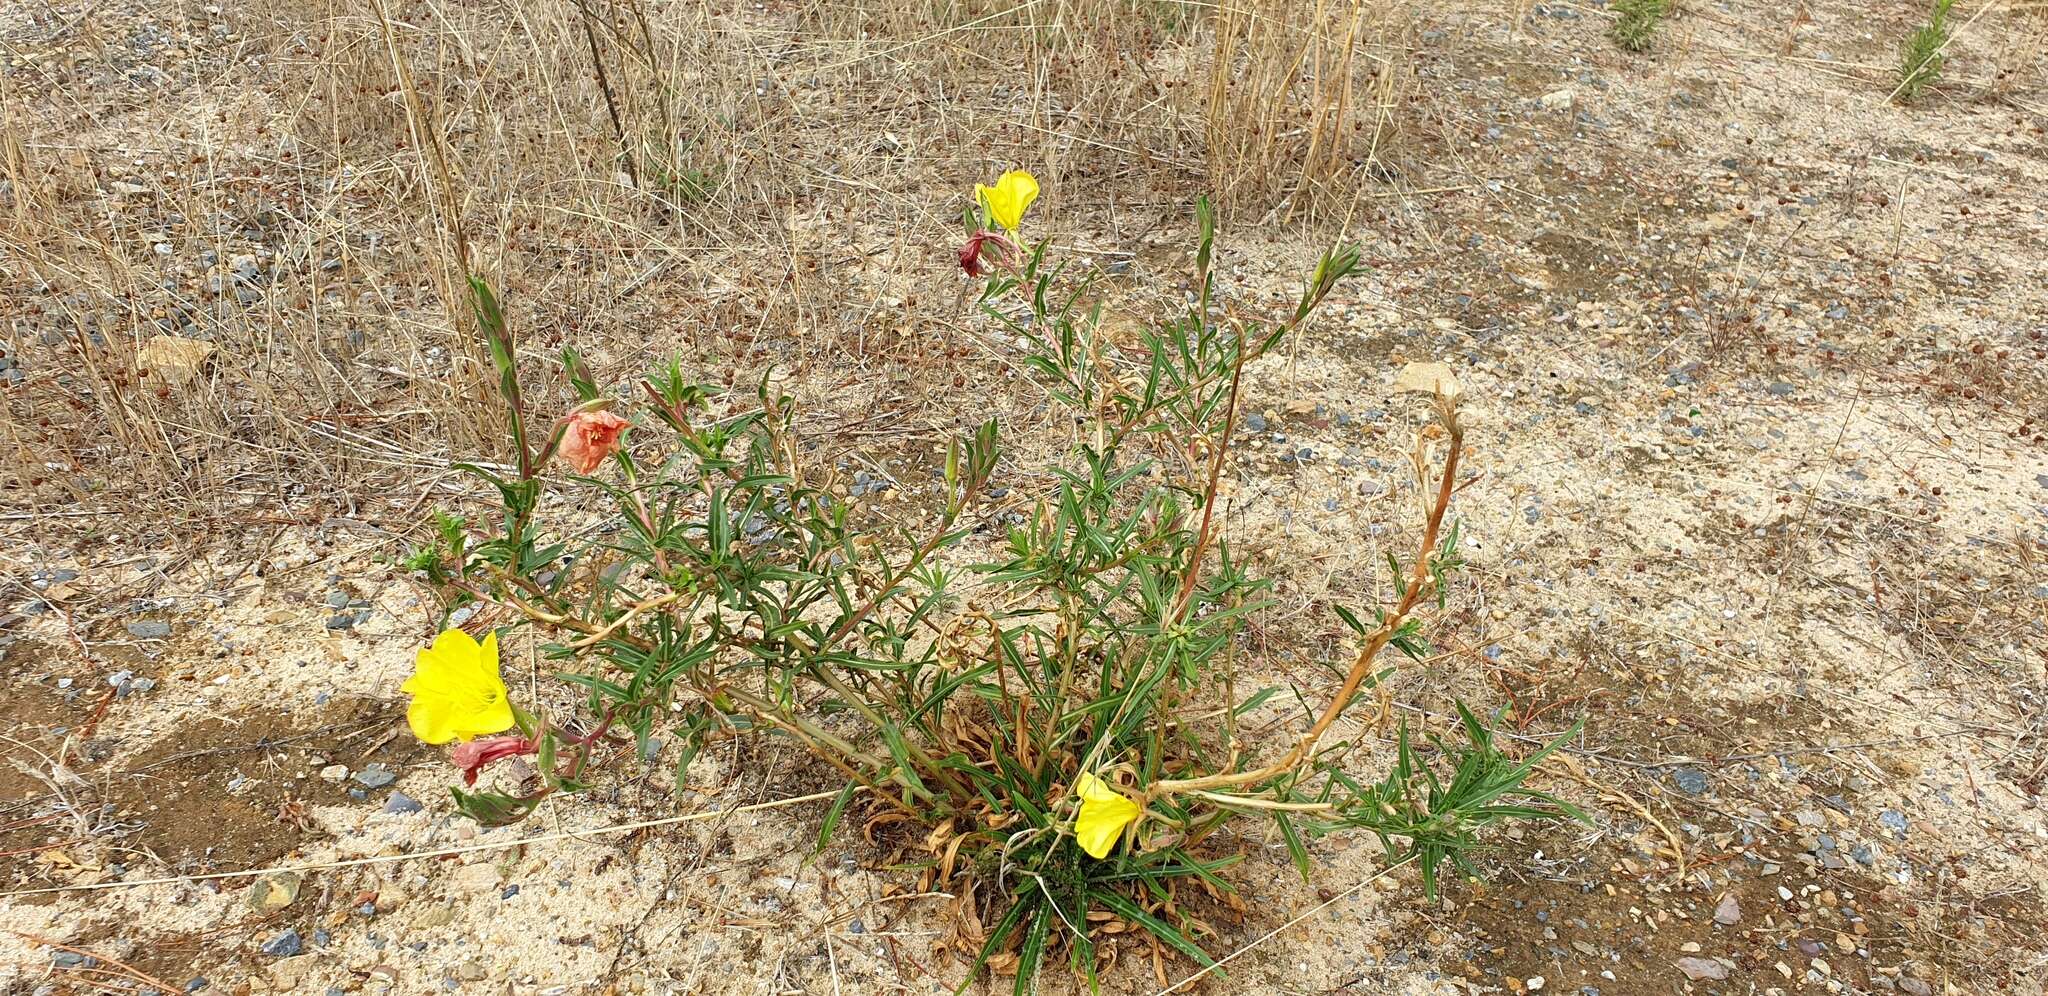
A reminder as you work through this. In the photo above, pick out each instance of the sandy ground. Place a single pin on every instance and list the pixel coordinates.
(1759, 365)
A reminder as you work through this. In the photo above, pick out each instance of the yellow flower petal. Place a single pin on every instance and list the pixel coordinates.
(431, 719)
(456, 691)
(1104, 814)
(1009, 198)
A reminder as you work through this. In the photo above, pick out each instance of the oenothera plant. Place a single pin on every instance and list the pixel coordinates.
(1052, 721)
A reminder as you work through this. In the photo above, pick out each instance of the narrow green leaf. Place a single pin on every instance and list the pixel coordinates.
(1032, 953)
(832, 815)
(1295, 849)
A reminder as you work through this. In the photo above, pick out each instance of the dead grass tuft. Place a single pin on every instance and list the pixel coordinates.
(1303, 102)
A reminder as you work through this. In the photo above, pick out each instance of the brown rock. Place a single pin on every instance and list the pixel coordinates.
(1729, 912)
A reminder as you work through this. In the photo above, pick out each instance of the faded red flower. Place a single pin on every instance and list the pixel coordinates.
(472, 756)
(589, 438)
(970, 255)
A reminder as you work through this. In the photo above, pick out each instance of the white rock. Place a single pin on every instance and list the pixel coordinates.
(476, 877)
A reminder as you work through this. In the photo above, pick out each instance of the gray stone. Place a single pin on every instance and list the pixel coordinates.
(1697, 969)
(149, 629)
(342, 620)
(1780, 389)
(375, 776)
(285, 945)
(402, 803)
(1893, 820)
(1691, 781)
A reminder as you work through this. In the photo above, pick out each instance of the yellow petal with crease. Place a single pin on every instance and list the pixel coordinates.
(1104, 814)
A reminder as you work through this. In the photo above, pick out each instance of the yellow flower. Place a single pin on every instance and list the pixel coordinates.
(1104, 814)
(1009, 198)
(456, 691)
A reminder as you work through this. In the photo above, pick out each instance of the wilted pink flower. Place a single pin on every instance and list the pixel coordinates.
(970, 255)
(589, 437)
(472, 756)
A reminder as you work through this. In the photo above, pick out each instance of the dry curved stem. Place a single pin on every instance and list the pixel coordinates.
(1608, 793)
(1253, 802)
(631, 614)
(1421, 582)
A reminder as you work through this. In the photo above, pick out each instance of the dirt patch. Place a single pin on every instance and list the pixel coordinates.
(38, 707)
(221, 793)
(1608, 921)
(236, 792)
(46, 702)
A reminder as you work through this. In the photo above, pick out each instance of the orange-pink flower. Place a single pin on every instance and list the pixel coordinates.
(589, 437)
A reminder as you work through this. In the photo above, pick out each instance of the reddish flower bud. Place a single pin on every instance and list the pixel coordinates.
(970, 255)
(472, 756)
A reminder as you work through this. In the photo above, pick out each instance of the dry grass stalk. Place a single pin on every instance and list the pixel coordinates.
(1301, 101)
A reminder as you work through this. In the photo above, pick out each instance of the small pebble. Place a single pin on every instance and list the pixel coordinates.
(285, 945)
(1691, 781)
(1729, 912)
(376, 776)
